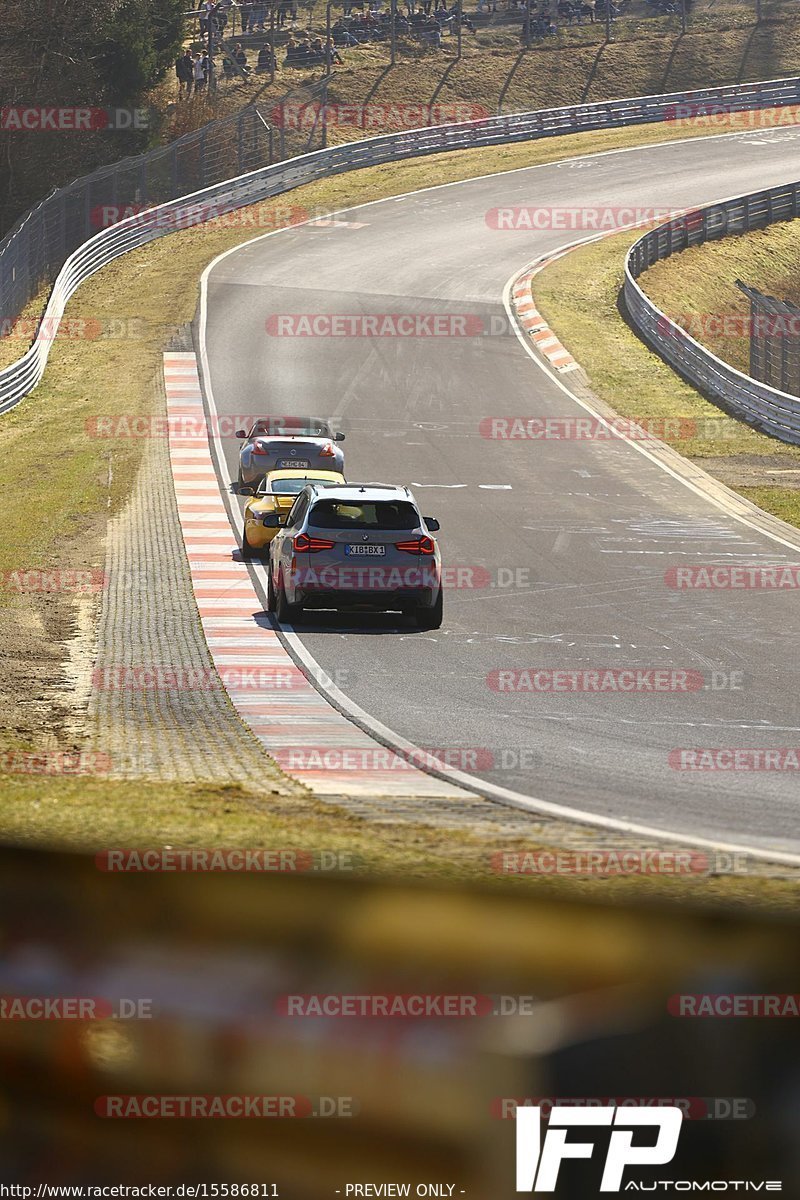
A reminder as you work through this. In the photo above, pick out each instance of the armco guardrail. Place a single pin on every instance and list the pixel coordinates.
(764, 407)
(18, 379)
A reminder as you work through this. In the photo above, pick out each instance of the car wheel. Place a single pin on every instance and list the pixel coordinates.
(431, 618)
(239, 479)
(287, 614)
(247, 550)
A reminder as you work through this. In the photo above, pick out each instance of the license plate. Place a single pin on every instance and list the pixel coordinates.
(372, 550)
(288, 463)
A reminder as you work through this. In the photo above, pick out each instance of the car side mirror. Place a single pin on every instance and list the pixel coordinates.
(240, 433)
(339, 437)
(433, 524)
(246, 490)
(274, 520)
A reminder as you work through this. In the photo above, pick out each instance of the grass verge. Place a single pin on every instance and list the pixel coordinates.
(92, 815)
(579, 295)
(698, 287)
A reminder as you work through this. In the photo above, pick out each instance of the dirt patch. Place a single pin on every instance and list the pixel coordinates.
(754, 470)
(37, 709)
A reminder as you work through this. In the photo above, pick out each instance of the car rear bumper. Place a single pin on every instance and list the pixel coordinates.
(380, 599)
(258, 536)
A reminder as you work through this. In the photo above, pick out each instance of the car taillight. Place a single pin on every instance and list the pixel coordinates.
(327, 451)
(260, 448)
(303, 544)
(423, 545)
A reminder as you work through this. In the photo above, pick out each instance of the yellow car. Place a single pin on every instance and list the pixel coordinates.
(276, 493)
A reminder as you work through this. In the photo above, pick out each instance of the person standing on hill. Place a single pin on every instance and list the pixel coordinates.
(184, 69)
(199, 71)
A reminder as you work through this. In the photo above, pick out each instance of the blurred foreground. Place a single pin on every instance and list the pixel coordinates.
(268, 990)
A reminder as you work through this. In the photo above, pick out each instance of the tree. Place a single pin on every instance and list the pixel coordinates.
(64, 53)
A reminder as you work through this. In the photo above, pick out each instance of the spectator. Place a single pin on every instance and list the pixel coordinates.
(227, 67)
(245, 13)
(199, 73)
(184, 69)
(266, 59)
(342, 36)
(221, 16)
(207, 13)
(241, 58)
(332, 54)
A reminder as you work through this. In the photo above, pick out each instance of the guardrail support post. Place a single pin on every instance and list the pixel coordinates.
(325, 108)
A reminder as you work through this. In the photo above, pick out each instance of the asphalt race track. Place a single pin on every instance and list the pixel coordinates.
(574, 536)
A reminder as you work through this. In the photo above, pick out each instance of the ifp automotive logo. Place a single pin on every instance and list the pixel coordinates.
(539, 1159)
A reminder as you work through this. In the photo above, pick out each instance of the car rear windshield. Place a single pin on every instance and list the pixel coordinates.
(291, 427)
(366, 514)
(290, 487)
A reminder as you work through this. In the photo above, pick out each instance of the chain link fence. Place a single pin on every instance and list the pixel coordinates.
(774, 330)
(32, 253)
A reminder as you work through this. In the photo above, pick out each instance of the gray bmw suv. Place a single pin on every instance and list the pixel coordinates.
(361, 545)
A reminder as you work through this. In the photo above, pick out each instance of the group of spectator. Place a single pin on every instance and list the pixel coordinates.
(192, 71)
(311, 52)
(363, 22)
(664, 7)
(543, 23)
(424, 19)
(252, 16)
